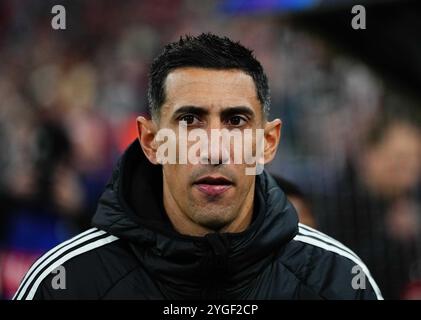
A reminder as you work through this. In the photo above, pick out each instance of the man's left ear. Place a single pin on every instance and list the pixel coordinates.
(272, 138)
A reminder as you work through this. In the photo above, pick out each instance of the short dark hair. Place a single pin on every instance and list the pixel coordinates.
(204, 51)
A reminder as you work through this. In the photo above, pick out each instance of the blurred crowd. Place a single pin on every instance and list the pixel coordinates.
(350, 154)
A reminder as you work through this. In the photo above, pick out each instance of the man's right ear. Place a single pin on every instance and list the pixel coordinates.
(146, 132)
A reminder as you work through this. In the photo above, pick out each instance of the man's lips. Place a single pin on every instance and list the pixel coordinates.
(213, 186)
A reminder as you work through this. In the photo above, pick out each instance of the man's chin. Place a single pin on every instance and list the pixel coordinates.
(213, 215)
(214, 224)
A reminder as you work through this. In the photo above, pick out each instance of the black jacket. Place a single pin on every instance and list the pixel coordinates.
(134, 253)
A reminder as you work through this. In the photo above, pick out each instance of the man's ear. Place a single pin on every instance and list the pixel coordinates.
(272, 138)
(146, 131)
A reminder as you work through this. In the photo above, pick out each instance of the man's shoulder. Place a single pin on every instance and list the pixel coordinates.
(328, 266)
(85, 266)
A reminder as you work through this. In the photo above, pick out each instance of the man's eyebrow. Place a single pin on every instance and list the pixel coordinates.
(201, 111)
(226, 112)
(190, 109)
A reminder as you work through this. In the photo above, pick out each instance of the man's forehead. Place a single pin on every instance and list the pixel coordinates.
(209, 88)
(197, 74)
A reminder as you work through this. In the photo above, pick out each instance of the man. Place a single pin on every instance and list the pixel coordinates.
(169, 229)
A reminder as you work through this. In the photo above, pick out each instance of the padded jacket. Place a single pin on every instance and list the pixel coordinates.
(133, 252)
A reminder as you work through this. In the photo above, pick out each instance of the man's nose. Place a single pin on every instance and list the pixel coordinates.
(218, 148)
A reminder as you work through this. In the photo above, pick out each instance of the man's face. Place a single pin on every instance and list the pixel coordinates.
(210, 195)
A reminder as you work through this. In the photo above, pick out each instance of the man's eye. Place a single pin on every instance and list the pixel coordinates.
(189, 119)
(237, 121)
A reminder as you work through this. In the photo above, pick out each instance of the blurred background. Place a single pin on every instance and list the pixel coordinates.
(350, 154)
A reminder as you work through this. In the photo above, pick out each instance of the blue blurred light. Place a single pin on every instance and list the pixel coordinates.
(254, 6)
